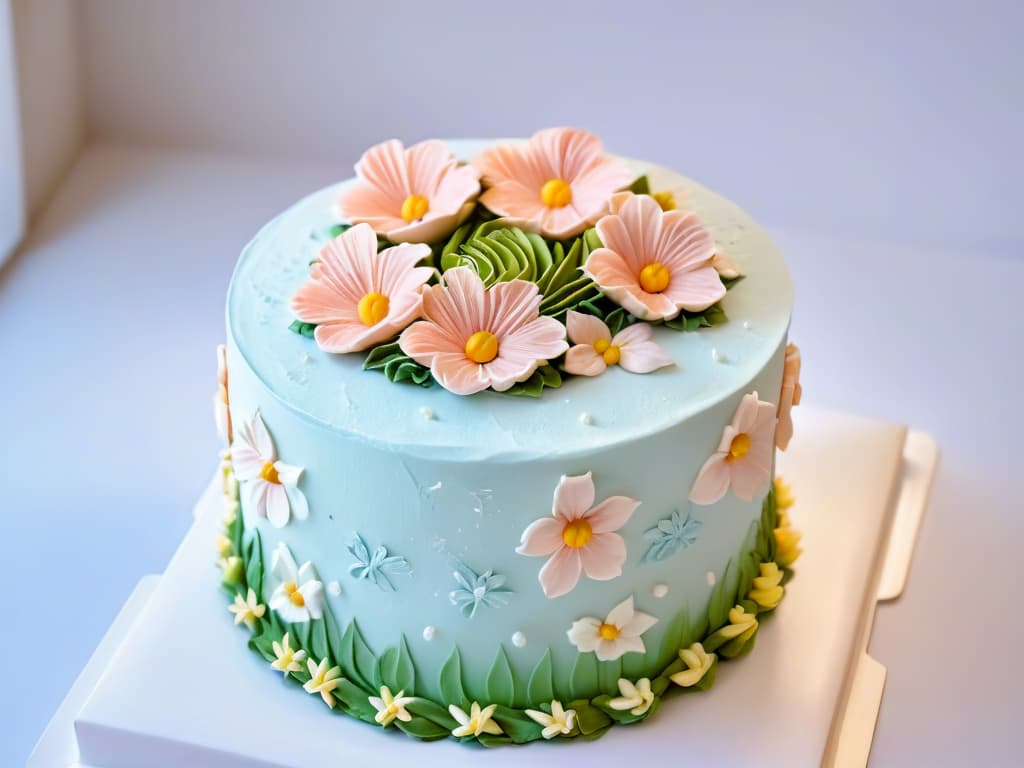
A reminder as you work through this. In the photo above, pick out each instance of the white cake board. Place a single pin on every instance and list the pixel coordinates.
(173, 685)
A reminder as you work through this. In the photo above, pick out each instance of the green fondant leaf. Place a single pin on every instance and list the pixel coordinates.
(254, 565)
(337, 229)
(303, 329)
(397, 670)
(545, 377)
(642, 186)
(356, 659)
(516, 724)
(674, 637)
(425, 730)
(397, 366)
(452, 691)
(299, 634)
(318, 645)
(589, 719)
(623, 716)
(355, 700)
(501, 687)
(721, 599)
(608, 674)
(692, 321)
(583, 680)
(541, 688)
(434, 712)
(766, 546)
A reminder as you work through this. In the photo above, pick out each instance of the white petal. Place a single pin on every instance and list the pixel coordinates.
(261, 440)
(254, 496)
(584, 634)
(313, 595)
(278, 508)
(297, 501)
(288, 474)
(308, 573)
(622, 613)
(282, 564)
(639, 624)
(293, 614)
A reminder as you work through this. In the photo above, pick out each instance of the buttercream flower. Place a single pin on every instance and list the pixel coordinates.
(560, 721)
(420, 194)
(270, 488)
(725, 267)
(476, 722)
(299, 595)
(221, 413)
(744, 456)
(619, 633)
(697, 661)
(286, 658)
(766, 589)
(741, 626)
(390, 708)
(636, 698)
(784, 498)
(655, 263)
(595, 349)
(788, 397)
(358, 297)
(322, 680)
(474, 338)
(579, 536)
(247, 609)
(558, 184)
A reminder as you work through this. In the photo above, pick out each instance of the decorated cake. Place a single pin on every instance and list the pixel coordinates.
(500, 422)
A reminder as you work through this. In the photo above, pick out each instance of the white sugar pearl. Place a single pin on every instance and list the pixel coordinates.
(660, 590)
(334, 588)
(710, 575)
(586, 419)
(429, 633)
(518, 639)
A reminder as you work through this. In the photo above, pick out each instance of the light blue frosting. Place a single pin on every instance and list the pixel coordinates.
(465, 483)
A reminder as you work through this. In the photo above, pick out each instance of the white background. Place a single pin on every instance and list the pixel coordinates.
(879, 142)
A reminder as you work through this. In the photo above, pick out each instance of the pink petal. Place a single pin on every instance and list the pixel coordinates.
(510, 163)
(514, 200)
(574, 496)
(458, 374)
(562, 223)
(542, 537)
(246, 459)
(395, 268)
(561, 573)
(423, 340)
(459, 184)
(427, 163)
(542, 338)
(583, 360)
(684, 243)
(634, 231)
(510, 306)
(316, 301)
(712, 481)
(347, 262)
(594, 188)
(609, 269)
(384, 166)
(565, 152)
(509, 368)
(278, 509)
(585, 329)
(344, 336)
(362, 203)
(695, 290)
(603, 556)
(430, 229)
(466, 305)
(646, 306)
(746, 413)
(637, 353)
(748, 477)
(612, 513)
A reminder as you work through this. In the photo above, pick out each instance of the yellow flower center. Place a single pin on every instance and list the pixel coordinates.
(556, 193)
(608, 631)
(740, 446)
(292, 590)
(654, 277)
(577, 533)
(610, 352)
(373, 308)
(666, 199)
(482, 347)
(269, 473)
(414, 207)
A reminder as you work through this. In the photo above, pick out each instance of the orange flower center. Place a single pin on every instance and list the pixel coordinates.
(654, 277)
(610, 352)
(577, 533)
(482, 347)
(415, 207)
(739, 447)
(556, 193)
(269, 473)
(608, 631)
(373, 308)
(292, 590)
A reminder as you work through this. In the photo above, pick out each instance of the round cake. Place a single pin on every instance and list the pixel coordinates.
(502, 421)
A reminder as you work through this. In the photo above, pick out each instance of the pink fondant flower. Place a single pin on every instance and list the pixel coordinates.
(578, 536)
(558, 184)
(595, 349)
(221, 411)
(358, 297)
(269, 488)
(420, 194)
(474, 338)
(744, 456)
(790, 396)
(655, 263)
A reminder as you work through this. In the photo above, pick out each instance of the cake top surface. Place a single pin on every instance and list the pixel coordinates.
(584, 414)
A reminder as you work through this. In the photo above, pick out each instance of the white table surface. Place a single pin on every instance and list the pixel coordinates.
(109, 317)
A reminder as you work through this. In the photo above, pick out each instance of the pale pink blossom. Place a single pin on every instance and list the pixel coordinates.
(420, 194)
(788, 397)
(653, 262)
(744, 456)
(221, 410)
(269, 487)
(474, 338)
(578, 537)
(595, 349)
(558, 184)
(357, 297)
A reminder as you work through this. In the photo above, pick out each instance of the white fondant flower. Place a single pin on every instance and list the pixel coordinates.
(637, 698)
(322, 680)
(579, 536)
(616, 635)
(390, 708)
(247, 609)
(287, 659)
(744, 456)
(299, 595)
(560, 721)
(270, 487)
(478, 721)
(697, 661)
